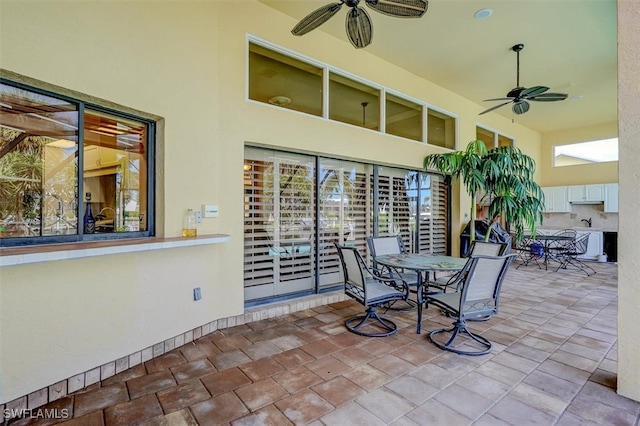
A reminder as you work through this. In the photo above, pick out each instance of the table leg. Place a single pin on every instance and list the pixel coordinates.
(420, 298)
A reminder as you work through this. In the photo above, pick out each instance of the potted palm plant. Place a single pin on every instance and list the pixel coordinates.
(504, 176)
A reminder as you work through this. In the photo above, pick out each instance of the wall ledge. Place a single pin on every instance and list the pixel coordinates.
(11, 256)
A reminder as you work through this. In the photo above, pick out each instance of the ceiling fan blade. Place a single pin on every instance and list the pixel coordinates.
(533, 91)
(520, 107)
(549, 97)
(359, 28)
(316, 18)
(499, 99)
(400, 8)
(494, 107)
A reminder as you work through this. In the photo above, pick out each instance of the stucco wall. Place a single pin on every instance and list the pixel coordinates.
(628, 261)
(580, 174)
(186, 62)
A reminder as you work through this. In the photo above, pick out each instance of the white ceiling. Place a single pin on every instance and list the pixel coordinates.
(570, 46)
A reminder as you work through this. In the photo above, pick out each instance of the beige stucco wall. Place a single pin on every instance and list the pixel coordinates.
(186, 62)
(628, 260)
(580, 174)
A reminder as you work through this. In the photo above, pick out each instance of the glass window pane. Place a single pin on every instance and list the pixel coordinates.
(585, 153)
(284, 81)
(115, 172)
(403, 118)
(38, 158)
(353, 102)
(441, 130)
(485, 136)
(504, 141)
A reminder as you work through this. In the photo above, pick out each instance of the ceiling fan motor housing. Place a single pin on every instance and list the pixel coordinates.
(515, 92)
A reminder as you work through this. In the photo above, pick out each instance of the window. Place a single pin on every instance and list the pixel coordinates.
(61, 158)
(288, 80)
(441, 130)
(353, 102)
(599, 151)
(284, 81)
(486, 136)
(403, 118)
(492, 139)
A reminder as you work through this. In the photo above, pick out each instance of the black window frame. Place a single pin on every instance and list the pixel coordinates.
(81, 104)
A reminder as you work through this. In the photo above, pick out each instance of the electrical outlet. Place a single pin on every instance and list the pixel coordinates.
(197, 295)
(198, 216)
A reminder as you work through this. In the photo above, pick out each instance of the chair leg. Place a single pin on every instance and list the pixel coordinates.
(460, 327)
(388, 326)
(577, 264)
(405, 305)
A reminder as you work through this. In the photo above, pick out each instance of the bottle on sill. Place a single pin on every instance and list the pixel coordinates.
(189, 228)
(89, 222)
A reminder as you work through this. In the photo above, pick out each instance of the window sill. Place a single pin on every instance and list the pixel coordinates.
(47, 253)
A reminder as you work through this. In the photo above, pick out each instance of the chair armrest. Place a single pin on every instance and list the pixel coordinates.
(396, 283)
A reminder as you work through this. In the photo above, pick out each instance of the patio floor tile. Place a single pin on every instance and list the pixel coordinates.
(554, 361)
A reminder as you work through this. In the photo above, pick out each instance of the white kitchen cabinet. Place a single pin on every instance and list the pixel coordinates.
(555, 199)
(611, 198)
(586, 193)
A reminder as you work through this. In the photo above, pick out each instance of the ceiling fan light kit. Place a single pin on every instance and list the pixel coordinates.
(358, 23)
(520, 96)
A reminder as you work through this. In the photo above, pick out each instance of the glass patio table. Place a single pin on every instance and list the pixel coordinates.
(422, 263)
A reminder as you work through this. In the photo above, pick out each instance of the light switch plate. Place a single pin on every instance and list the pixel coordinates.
(210, 210)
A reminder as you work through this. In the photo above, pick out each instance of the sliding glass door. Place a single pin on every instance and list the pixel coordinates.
(296, 207)
(344, 200)
(279, 216)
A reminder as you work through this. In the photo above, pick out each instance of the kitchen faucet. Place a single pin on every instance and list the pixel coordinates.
(588, 221)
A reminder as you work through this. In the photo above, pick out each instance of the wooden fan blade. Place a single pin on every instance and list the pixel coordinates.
(533, 91)
(316, 18)
(494, 107)
(520, 107)
(400, 8)
(549, 97)
(359, 28)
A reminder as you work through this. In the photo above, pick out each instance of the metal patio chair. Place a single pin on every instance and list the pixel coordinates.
(382, 246)
(478, 248)
(481, 281)
(371, 291)
(577, 248)
(556, 248)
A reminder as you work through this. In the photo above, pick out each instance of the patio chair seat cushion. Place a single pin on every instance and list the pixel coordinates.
(377, 293)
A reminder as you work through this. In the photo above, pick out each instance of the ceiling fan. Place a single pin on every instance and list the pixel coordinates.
(358, 23)
(520, 95)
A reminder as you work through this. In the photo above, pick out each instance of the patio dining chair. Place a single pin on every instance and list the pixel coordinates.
(569, 257)
(556, 248)
(382, 246)
(478, 248)
(478, 297)
(528, 250)
(371, 291)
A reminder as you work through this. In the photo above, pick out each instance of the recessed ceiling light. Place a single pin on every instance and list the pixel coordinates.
(576, 97)
(482, 14)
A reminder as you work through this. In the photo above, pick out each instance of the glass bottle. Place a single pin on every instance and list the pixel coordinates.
(88, 221)
(189, 224)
